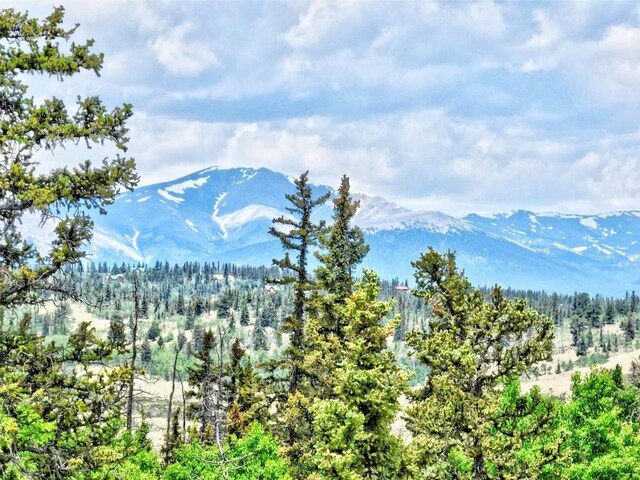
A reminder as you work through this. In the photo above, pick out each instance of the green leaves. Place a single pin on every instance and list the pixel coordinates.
(252, 457)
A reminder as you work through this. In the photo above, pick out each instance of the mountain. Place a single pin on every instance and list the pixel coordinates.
(224, 215)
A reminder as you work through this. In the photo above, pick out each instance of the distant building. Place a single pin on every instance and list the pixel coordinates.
(402, 288)
(116, 278)
(271, 288)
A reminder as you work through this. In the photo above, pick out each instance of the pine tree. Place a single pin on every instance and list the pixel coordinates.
(345, 247)
(57, 422)
(300, 236)
(145, 353)
(31, 46)
(210, 377)
(472, 348)
(201, 377)
(244, 316)
(247, 404)
(352, 431)
(259, 338)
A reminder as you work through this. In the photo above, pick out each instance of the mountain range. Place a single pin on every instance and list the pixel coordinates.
(224, 215)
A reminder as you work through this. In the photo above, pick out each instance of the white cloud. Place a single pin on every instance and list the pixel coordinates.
(462, 129)
(182, 56)
(548, 33)
(615, 62)
(322, 19)
(424, 159)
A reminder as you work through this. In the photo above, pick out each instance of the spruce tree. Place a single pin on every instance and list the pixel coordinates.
(472, 349)
(201, 377)
(344, 244)
(345, 248)
(299, 234)
(352, 431)
(247, 402)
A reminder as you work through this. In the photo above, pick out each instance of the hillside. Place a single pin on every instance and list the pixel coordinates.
(224, 215)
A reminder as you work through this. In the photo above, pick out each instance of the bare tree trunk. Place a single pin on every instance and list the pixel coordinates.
(134, 349)
(184, 412)
(218, 412)
(173, 389)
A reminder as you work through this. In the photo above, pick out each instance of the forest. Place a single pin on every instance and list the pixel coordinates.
(305, 369)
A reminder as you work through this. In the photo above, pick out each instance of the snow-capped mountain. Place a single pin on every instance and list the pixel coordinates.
(224, 215)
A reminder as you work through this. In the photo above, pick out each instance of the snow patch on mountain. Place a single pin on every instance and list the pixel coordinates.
(144, 199)
(134, 240)
(247, 174)
(248, 214)
(104, 240)
(191, 225)
(181, 187)
(216, 208)
(168, 196)
(373, 207)
(435, 222)
(589, 222)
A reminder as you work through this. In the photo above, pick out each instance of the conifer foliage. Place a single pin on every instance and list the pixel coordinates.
(55, 422)
(473, 348)
(300, 235)
(31, 46)
(352, 430)
(344, 245)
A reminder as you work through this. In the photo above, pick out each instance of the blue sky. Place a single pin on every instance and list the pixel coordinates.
(438, 105)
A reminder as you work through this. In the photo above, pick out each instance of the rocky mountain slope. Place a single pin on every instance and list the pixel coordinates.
(224, 214)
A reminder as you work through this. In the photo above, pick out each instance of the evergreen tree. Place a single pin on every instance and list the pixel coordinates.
(259, 338)
(57, 422)
(352, 431)
(345, 247)
(299, 236)
(201, 376)
(244, 316)
(473, 347)
(31, 46)
(154, 331)
(145, 353)
(609, 313)
(246, 388)
(628, 326)
(116, 334)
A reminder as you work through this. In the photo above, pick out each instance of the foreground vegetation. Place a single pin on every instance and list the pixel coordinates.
(298, 380)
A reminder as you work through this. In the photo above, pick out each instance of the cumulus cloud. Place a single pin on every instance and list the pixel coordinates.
(424, 159)
(182, 56)
(481, 106)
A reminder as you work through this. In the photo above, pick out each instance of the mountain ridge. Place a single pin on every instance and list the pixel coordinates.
(224, 215)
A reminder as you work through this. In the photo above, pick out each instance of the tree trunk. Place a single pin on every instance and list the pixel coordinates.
(134, 349)
(173, 389)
